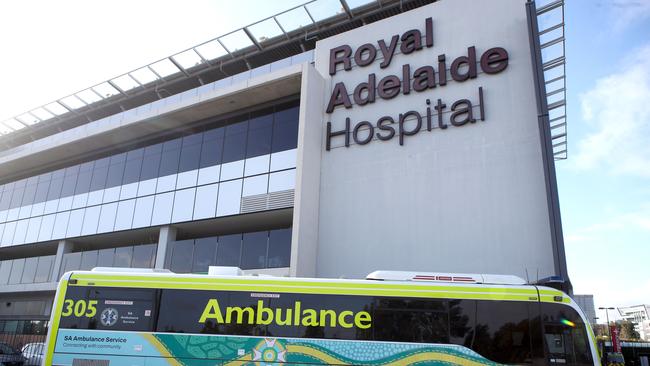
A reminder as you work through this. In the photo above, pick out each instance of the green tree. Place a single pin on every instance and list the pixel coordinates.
(626, 330)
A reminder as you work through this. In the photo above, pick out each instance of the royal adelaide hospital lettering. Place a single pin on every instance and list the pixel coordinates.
(412, 79)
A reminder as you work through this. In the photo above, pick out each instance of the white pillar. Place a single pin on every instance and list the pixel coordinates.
(166, 236)
(63, 248)
(304, 236)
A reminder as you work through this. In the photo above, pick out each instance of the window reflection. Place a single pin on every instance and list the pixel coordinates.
(253, 250)
(248, 135)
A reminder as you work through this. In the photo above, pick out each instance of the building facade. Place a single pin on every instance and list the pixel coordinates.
(392, 136)
(640, 317)
(586, 303)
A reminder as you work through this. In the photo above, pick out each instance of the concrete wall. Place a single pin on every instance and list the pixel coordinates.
(304, 237)
(462, 199)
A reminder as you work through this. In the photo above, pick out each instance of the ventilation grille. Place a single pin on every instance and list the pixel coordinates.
(86, 362)
(269, 201)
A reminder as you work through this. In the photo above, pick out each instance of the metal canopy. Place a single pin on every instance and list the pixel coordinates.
(279, 36)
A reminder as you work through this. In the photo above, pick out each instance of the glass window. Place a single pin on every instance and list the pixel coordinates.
(229, 200)
(150, 166)
(254, 249)
(83, 182)
(143, 211)
(229, 250)
(70, 181)
(17, 271)
(54, 191)
(9, 186)
(179, 310)
(32, 180)
(462, 318)
(566, 335)
(181, 261)
(334, 303)
(107, 218)
(45, 177)
(151, 162)
(30, 270)
(502, 332)
(88, 260)
(74, 223)
(205, 250)
(144, 256)
(41, 191)
(111, 303)
(259, 134)
(17, 197)
(411, 320)
(88, 166)
(105, 257)
(11, 326)
(190, 153)
(279, 248)
(47, 225)
(102, 163)
(20, 184)
(133, 166)
(84, 178)
(5, 272)
(170, 157)
(71, 262)
(58, 174)
(205, 201)
(285, 129)
(100, 172)
(212, 147)
(91, 220)
(162, 208)
(115, 174)
(28, 196)
(234, 146)
(123, 257)
(44, 269)
(99, 178)
(6, 199)
(116, 159)
(183, 205)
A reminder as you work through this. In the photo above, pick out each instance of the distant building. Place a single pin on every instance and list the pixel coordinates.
(586, 303)
(638, 314)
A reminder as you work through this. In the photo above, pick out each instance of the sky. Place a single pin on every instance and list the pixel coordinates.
(51, 49)
(604, 185)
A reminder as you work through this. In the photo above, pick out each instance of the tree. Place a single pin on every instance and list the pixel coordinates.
(600, 330)
(626, 330)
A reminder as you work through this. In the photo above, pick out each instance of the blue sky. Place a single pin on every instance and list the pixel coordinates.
(604, 186)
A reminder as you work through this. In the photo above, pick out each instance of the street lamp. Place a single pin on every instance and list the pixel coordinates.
(607, 315)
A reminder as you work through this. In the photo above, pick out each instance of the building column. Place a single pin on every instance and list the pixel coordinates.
(304, 234)
(63, 248)
(166, 236)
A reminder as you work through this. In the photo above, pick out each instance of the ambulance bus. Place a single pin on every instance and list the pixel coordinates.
(109, 317)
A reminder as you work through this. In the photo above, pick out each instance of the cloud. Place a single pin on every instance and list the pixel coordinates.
(614, 292)
(628, 222)
(618, 111)
(626, 13)
(608, 259)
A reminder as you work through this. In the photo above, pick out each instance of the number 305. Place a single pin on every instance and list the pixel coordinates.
(79, 308)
